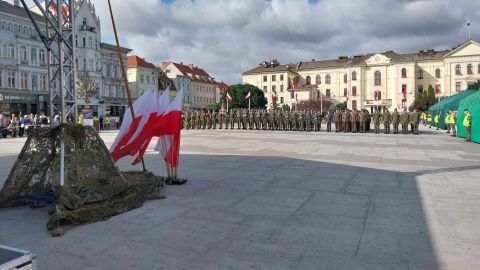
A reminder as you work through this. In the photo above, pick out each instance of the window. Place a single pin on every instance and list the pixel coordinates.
(96, 44)
(97, 66)
(469, 69)
(437, 89)
(274, 78)
(43, 82)
(281, 77)
(9, 27)
(23, 53)
(308, 80)
(318, 79)
(90, 64)
(10, 51)
(90, 42)
(76, 63)
(107, 71)
(148, 79)
(23, 80)
(458, 70)
(327, 93)
(378, 78)
(437, 73)
(281, 100)
(11, 79)
(458, 86)
(274, 88)
(327, 79)
(345, 78)
(114, 69)
(42, 56)
(264, 78)
(377, 95)
(33, 56)
(281, 88)
(354, 104)
(354, 75)
(84, 42)
(265, 89)
(292, 95)
(34, 82)
(76, 40)
(404, 88)
(25, 30)
(107, 90)
(420, 74)
(345, 92)
(420, 89)
(404, 72)
(84, 64)
(141, 78)
(354, 91)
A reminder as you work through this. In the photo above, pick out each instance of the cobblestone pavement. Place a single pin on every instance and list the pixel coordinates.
(281, 200)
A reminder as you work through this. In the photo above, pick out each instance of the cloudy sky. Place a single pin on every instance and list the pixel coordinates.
(228, 37)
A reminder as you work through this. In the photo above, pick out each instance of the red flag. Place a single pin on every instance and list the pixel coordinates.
(294, 85)
(229, 98)
(168, 143)
(273, 99)
(127, 129)
(248, 96)
(376, 95)
(405, 95)
(222, 108)
(347, 95)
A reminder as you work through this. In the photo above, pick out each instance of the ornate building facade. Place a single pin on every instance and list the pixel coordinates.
(385, 80)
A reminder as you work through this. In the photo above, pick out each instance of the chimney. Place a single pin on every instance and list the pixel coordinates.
(190, 66)
(16, 3)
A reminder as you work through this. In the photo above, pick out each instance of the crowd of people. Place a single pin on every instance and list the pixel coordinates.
(343, 120)
(14, 126)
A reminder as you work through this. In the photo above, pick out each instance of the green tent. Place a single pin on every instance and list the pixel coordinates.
(472, 103)
(450, 103)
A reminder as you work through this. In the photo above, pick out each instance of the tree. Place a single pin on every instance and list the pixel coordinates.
(86, 87)
(214, 106)
(431, 91)
(423, 103)
(474, 86)
(285, 107)
(239, 92)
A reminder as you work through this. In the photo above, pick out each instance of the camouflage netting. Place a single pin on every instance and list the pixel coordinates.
(94, 187)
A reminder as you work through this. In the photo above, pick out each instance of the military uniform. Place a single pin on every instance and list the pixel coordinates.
(415, 119)
(231, 118)
(376, 121)
(354, 119)
(404, 118)
(345, 122)
(386, 121)
(362, 118)
(214, 119)
(208, 117)
(395, 121)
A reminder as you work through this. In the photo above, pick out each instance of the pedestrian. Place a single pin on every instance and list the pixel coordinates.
(376, 121)
(328, 121)
(467, 124)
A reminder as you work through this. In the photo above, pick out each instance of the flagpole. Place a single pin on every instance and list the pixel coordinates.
(129, 97)
(249, 103)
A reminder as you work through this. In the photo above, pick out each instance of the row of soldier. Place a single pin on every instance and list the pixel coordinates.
(253, 120)
(345, 121)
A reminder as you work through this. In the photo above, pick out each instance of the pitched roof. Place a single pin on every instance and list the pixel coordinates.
(272, 69)
(135, 61)
(18, 11)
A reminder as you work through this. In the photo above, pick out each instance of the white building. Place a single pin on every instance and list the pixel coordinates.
(23, 63)
(359, 79)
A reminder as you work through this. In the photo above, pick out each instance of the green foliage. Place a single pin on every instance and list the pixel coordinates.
(431, 91)
(423, 103)
(474, 86)
(214, 106)
(342, 106)
(238, 93)
(285, 107)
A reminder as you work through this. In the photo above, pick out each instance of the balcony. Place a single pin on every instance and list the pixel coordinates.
(383, 102)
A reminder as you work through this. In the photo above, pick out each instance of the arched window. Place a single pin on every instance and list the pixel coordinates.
(10, 51)
(25, 30)
(41, 56)
(470, 69)
(404, 72)
(354, 75)
(308, 80)
(378, 78)
(33, 55)
(4, 25)
(437, 73)
(458, 70)
(345, 78)
(318, 79)
(9, 26)
(90, 42)
(420, 74)
(327, 79)
(23, 52)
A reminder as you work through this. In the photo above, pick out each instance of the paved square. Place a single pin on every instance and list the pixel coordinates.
(281, 200)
